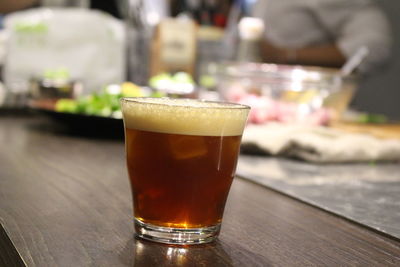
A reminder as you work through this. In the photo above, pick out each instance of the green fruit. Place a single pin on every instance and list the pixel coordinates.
(183, 77)
(66, 105)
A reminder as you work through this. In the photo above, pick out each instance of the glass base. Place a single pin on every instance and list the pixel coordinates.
(177, 236)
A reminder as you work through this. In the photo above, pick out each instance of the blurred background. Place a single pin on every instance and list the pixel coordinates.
(379, 93)
(241, 51)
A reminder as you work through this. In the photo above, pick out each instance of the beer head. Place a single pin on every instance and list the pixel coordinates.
(184, 116)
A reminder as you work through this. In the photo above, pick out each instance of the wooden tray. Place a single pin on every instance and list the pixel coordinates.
(386, 131)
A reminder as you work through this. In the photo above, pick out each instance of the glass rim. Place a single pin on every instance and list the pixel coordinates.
(221, 104)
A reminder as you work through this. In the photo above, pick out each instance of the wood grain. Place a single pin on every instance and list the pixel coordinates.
(8, 253)
(65, 201)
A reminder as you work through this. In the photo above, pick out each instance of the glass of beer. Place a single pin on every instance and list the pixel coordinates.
(181, 159)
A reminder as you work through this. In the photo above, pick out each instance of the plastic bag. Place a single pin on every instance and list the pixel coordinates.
(89, 44)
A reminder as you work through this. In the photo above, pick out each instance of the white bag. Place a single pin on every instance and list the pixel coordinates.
(89, 44)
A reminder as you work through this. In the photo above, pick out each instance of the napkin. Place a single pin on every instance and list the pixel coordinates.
(318, 144)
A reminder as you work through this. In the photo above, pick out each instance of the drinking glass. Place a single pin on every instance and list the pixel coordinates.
(181, 158)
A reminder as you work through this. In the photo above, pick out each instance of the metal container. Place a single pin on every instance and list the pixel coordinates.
(43, 88)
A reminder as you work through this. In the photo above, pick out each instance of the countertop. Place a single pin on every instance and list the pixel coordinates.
(65, 201)
(365, 193)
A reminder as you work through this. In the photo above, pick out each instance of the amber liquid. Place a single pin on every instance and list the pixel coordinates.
(180, 181)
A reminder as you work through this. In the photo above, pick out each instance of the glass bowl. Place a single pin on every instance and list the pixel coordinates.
(285, 93)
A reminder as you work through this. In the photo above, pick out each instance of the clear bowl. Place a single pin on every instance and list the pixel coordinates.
(286, 93)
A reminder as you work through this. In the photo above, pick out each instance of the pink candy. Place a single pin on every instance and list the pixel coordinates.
(265, 109)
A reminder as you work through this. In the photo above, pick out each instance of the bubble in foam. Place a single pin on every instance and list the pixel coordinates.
(184, 116)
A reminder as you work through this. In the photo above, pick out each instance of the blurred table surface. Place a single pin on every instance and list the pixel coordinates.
(65, 200)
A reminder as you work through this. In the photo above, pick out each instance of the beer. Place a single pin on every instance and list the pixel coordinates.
(180, 180)
(181, 159)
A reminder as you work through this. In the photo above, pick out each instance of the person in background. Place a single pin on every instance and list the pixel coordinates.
(323, 32)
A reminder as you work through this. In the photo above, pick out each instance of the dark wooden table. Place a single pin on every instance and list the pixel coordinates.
(65, 201)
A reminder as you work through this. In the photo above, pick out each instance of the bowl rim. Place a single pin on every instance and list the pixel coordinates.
(278, 73)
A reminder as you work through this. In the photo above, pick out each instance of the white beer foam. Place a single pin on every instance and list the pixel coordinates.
(184, 116)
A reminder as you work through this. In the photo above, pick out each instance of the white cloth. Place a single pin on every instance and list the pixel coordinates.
(318, 144)
(348, 23)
